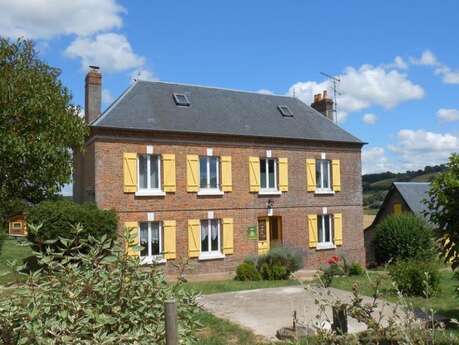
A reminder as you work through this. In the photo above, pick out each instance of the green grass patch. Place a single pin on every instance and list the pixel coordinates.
(12, 250)
(234, 285)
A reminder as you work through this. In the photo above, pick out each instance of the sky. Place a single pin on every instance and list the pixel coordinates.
(397, 61)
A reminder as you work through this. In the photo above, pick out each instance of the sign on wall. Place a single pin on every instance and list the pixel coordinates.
(252, 232)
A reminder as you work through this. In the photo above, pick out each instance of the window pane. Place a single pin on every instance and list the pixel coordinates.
(263, 173)
(204, 236)
(143, 172)
(271, 163)
(213, 172)
(318, 174)
(320, 229)
(203, 171)
(327, 228)
(325, 165)
(144, 239)
(155, 250)
(214, 234)
(154, 169)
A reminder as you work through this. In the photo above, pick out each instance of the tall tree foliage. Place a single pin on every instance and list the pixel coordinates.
(443, 207)
(39, 126)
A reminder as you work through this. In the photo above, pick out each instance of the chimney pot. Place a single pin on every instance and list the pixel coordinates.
(93, 94)
(324, 94)
(323, 104)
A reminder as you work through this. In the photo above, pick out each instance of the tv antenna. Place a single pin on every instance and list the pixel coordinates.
(334, 81)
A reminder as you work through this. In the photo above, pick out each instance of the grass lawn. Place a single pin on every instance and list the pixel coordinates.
(445, 303)
(233, 285)
(12, 250)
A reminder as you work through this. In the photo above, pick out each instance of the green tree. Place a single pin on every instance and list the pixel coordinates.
(443, 210)
(39, 126)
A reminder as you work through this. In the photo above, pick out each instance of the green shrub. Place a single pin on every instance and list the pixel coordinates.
(356, 269)
(58, 218)
(416, 277)
(104, 298)
(247, 271)
(274, 272)
(403, 237)
(3, 236)
(282, 256)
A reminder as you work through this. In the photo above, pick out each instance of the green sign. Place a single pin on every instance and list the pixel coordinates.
(252, 232)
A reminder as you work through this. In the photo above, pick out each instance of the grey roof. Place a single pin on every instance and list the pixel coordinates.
(150, 106)
(414, 193)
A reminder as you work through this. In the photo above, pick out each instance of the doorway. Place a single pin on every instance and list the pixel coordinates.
(269, 233)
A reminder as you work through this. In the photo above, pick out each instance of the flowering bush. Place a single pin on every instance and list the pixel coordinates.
(338, 266)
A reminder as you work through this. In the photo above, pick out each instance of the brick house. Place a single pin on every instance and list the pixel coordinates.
(401, 197)
(217, 175)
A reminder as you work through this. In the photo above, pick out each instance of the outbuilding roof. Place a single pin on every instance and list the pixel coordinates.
(414, 194)
(148, 105)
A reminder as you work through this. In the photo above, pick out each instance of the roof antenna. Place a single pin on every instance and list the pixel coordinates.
(334, 81)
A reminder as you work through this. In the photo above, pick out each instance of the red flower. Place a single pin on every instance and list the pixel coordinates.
(333, 260)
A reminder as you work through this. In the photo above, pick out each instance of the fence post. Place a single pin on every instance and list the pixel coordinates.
(339, 319)
(171, 322)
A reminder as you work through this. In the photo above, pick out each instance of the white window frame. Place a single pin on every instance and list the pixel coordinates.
(149, 191)
(264, 189)
(320, 189)
(211, 254)
(149, 258)
(208, 190)
(321, 244)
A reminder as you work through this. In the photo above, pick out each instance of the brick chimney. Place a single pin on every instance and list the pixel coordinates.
(323, 104)
(93, 94)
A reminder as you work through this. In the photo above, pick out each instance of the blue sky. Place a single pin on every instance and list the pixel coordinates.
(398, 62)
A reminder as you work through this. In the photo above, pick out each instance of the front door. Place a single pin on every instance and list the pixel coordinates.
(263, 235)
(275, 232)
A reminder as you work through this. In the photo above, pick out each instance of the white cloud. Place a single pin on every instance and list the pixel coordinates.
(107, 97)
(44, 19)
(143, 74)
(111, 52)
(449, 76)
(374, 160)
(265, 92)
(398, 63)
(448, 115)
(418, 148)
(369, 118)
(362, 88)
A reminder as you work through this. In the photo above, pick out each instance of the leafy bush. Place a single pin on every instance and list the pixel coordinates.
(94, 298)
(247, 271)
(3, 236)
(403, 236)
(274, 272)
(356, 269)
(58, 217)
(416, 277)
(288, 258)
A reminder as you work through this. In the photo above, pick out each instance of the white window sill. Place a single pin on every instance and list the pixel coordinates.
(324, 192)
(210, 192)
(149, 260)
(150, 193)
(211, 256)
(325, 246)
(269, 192)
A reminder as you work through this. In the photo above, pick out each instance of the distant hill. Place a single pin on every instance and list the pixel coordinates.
(375, 186)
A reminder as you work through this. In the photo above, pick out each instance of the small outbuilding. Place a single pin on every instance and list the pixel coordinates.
(402, 197)
(17, 226)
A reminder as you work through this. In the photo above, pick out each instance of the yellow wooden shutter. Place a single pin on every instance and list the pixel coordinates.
(133, 229)
(338, 228)
(254, 174)
(336, 175)
(228, 236)
(312, 227)
(311, 175)
(397, 208)
(227, 177)
(283, 174)
(130, 172)
(192, 173)
(169, 172)
(169, 231)
(194, 238)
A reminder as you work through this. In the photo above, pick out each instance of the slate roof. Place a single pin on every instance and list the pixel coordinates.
(150, 106)
(414, 193)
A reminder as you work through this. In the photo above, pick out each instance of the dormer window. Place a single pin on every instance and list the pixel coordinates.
(181, 99)
(285, 110)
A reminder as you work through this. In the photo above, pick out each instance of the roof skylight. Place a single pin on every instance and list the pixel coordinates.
(181, 99)
(285, 110)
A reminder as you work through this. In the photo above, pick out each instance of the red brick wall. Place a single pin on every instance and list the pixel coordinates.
(244, 207)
